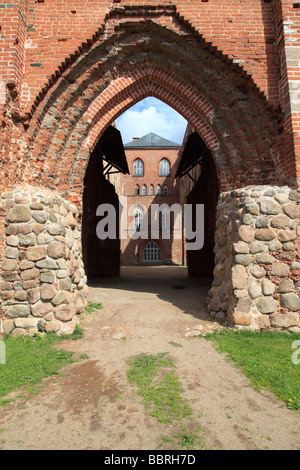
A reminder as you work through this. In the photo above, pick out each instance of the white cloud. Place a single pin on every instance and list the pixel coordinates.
(151, 115)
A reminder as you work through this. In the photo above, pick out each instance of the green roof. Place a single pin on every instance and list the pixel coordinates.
(151, 140)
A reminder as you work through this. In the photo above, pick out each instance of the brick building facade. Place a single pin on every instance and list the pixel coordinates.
(152, 162)
(69, 69)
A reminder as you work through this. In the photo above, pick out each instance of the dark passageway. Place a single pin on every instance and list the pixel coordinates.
(101, 257)
(206, 191)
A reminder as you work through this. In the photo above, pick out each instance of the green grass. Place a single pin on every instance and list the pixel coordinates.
(77, 334)
(176, 345)
(266, 359)
(159, 386)
(168, 439)
(187, 441)
(92, 306)
(28, 361)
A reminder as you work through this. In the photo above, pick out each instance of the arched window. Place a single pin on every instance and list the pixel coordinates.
(165, 190)
(158, 189)
(152, 252)
(165, 218)
(144, 190)
(137, 189)
(138, 167)
(164, 167)
(151, 189)
(138, 219)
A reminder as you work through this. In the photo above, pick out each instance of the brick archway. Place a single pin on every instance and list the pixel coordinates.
(220, 102)
(127, 89)
(139, 52)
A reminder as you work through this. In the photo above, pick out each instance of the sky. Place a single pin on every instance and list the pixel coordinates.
(151, 115)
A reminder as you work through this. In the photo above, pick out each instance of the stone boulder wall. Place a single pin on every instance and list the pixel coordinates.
(43, 283)
(257, 266)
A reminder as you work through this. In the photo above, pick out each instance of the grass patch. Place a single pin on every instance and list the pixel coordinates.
(78, 333)
(168, 439)
(29, 360)
(159, 386)
(176, 345)
(266, 359)
(91, 306)
(187, 441)
(84, 356)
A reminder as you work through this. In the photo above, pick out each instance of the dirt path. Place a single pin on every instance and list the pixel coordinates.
(91, 405)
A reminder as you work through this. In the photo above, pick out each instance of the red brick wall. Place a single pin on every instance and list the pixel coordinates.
(151, 158)
(242, 30)
(12, 44)
(226, 66)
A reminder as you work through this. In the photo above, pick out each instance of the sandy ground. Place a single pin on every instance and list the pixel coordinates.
(92, 405)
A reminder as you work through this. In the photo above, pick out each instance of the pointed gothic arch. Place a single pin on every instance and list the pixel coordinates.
(232, 119)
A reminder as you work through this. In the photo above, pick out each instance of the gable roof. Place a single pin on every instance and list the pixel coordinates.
(151, 140)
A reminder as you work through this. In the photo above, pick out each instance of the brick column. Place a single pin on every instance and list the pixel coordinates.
(287, 27)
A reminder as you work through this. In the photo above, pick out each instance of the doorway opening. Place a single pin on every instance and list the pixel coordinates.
(101, 257)
(159, 172)
(205, 191)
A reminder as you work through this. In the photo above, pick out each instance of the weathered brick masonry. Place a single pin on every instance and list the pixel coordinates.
(69, 69)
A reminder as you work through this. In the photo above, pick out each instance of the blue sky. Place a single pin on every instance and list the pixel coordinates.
(151, 115)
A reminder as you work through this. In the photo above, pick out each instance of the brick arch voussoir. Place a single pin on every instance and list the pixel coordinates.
(61, 138)
(124, 100)
(193, 117)
(132, 14)
(115, 100)
(72, 65)
(170, 81)
(157, 77)
(130, 93)
(191, 105)
(120, 102)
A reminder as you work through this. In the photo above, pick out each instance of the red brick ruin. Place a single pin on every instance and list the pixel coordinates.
(231, 68)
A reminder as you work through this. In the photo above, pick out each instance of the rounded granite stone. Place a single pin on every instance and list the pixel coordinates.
(18, 214)
(266, 305)
(243, 259)
(269, 207)
(290, 301)
(264, 234)
(286, 285)
(56, 250)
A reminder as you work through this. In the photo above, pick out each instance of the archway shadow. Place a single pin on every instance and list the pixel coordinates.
(171, 284)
